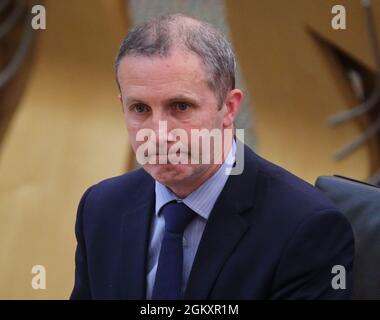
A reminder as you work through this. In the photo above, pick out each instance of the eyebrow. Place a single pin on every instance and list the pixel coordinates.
(182, 97)
(127, 99)
(176, 98)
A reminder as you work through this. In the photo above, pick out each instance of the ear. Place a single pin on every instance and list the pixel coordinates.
(233, 101)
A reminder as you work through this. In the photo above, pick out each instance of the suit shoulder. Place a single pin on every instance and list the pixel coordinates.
(126, 180)
(285, 205)
(119, 187)
(293, 195)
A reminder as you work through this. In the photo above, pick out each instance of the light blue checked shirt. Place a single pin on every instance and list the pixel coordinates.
(201, 201)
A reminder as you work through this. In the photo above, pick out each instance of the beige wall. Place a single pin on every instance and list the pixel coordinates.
(295, 84)
(67, 134)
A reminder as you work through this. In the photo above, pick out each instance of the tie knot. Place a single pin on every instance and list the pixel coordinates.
(177, 216)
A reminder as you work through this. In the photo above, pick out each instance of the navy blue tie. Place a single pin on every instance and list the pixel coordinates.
(167, 285)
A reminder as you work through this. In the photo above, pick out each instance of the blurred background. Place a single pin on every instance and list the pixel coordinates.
(311, 105)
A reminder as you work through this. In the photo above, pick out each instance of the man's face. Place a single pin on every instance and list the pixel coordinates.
(172, 89)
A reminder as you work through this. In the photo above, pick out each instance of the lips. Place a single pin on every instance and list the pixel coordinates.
(171, 153)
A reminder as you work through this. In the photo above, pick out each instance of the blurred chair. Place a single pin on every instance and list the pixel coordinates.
(360, 203)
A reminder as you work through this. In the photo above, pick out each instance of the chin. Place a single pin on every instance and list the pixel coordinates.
(169, 174)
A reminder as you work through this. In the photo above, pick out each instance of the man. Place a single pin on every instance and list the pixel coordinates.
(189, 230)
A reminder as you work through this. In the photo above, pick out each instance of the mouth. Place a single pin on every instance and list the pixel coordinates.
(170, 153)
(172, 158)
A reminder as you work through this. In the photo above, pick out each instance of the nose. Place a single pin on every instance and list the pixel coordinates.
(165, 133)
(160, 126)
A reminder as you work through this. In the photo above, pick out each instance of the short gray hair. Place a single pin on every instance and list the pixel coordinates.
(163, 34)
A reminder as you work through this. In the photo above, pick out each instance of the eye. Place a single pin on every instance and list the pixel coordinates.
(139, 108)
(181, 106)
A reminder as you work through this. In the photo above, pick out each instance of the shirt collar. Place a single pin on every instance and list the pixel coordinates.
(201, 200)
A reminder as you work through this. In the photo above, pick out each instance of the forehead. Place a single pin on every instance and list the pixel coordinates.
(178, 69)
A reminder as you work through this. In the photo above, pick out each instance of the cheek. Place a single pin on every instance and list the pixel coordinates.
(133, 125)
(132, 132)
(132, 122)
(228, 118)
(213, 118)
(204, 120)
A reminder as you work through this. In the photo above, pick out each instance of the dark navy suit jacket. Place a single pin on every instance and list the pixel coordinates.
(270, 235)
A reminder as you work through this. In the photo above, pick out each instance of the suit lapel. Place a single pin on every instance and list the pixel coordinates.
(135, 237)
(224, 229)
